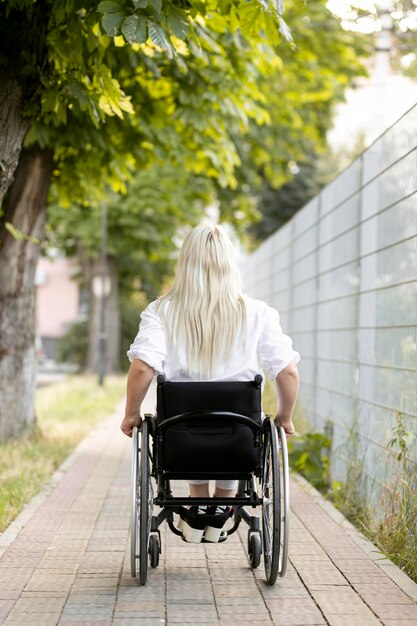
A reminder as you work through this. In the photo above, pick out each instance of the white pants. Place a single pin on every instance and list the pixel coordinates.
(220, 484)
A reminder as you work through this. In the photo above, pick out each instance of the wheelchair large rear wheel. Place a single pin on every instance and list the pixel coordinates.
(271, 509)
(141, 505)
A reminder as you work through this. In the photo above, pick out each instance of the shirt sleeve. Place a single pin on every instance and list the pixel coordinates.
(275, 348)
(150, 344)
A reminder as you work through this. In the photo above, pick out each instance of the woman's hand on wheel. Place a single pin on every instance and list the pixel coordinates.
(128, 424)
(286, 424)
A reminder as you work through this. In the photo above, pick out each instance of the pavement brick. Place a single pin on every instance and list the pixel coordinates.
(70, 564)
(398, 621)
(6, 606)
(32, 618)
(232, 622)
(300, 619)
(401, 612)
(50, 581)
(39, 605)
(347, 620)
(138, 621)
(341, 601)
(84, 622)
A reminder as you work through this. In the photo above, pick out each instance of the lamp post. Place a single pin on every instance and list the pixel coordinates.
(101, 289)
(102, 341)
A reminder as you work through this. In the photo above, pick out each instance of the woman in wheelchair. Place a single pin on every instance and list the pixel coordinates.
(206, 330)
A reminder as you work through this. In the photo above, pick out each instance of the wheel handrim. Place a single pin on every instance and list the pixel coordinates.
(271, 505)
(144, 505)
(134, 520)
(285, 491)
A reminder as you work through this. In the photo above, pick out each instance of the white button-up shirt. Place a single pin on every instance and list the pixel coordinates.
(264, 347)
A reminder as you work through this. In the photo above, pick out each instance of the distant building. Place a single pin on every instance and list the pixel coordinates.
(58, 301)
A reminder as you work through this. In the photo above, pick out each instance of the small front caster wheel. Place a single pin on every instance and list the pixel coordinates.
(153, 550)
(254, 549)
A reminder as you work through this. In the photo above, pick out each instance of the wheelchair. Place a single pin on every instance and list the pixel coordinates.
(211, 430)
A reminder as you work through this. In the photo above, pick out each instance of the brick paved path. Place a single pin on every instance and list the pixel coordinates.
(70, 564)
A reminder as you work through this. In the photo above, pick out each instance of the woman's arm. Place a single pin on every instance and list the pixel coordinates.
(287, 390)
(138, 380)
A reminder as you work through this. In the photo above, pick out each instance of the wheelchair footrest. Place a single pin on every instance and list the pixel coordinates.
(202, 523)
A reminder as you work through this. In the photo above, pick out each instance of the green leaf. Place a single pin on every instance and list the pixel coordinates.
(159, 37)
(109, 7)
(140, 4)
(177, 22)
(17, 234)
(135, 29)
(157, 5)
(111, 22)
(250, 15)
(271, 29)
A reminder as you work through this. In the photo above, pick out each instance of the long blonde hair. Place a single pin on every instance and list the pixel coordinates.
(206, 308)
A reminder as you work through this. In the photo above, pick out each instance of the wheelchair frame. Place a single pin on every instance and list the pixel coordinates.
(268, 535)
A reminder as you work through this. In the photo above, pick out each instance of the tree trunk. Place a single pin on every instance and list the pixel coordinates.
(25, 211)
(112, 321)
(12, 130)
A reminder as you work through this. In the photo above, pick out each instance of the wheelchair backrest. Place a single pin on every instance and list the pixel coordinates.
(177, 398)
(208, 429)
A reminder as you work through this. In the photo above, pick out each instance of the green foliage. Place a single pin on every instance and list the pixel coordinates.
(347, 497)
(142, 225)
(309, 455)
(400, 440)
(228, 106)
(107, 108)
(277, 206)
(392, 522)
(396, 535)
(139, 20)
(72, 347)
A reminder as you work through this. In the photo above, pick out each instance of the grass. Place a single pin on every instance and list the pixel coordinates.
(66, 413)
(393, 529)
(396, 536)
(391, 523)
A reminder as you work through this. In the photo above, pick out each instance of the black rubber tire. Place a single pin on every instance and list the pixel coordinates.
(144, 512)
(271, 502)
(154, 550)
(254, 548)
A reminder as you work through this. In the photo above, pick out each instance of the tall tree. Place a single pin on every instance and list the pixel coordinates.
(64, 84)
